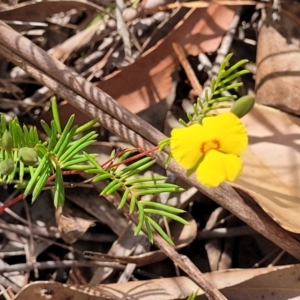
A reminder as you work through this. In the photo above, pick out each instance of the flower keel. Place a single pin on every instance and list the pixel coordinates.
(217, 167)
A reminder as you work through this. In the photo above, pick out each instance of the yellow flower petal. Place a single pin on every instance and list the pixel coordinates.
(217, 167)
(229, 131)
(185, 145)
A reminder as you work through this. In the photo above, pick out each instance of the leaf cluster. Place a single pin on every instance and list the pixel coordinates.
(133, 187)
(65, 151)
(219, 91)
(62, 150)
(32, 164)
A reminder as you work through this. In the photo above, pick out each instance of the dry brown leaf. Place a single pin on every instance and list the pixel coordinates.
(148, 80)
(276, 283)
(278, 62)
(162, 289)
(98, 207)
(72, 223)
(266, 283)
(272, 165)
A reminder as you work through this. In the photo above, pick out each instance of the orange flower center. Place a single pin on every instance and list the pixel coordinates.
(213, 144)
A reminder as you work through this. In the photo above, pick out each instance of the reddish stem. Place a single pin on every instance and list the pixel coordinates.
(52, 177)
(11, 202)
(21, 196)
(135, 157)
(118, 154)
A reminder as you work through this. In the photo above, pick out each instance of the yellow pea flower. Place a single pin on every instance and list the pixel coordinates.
(212, 148)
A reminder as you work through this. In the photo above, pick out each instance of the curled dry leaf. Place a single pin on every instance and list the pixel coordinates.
(183, 235)
(272, 165)
(265, 283)
(278, 61)
(163, 289)
(72, 223)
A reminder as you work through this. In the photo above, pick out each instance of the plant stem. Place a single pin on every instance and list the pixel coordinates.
(144, 153)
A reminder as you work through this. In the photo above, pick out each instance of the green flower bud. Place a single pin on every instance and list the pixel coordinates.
(7, 141)
(242, 106)
(21, 186)
(28, 156)
(6, 167)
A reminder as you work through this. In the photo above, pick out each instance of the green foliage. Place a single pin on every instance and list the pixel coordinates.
(192, 296)
(134, 187)
(35, 161)
(31, 164)
(218, 93)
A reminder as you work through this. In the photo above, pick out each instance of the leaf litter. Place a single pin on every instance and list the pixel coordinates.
(150, 74)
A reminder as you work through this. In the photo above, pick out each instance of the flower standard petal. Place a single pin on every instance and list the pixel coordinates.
(217, 167)
(229, 131)
(185, 145)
